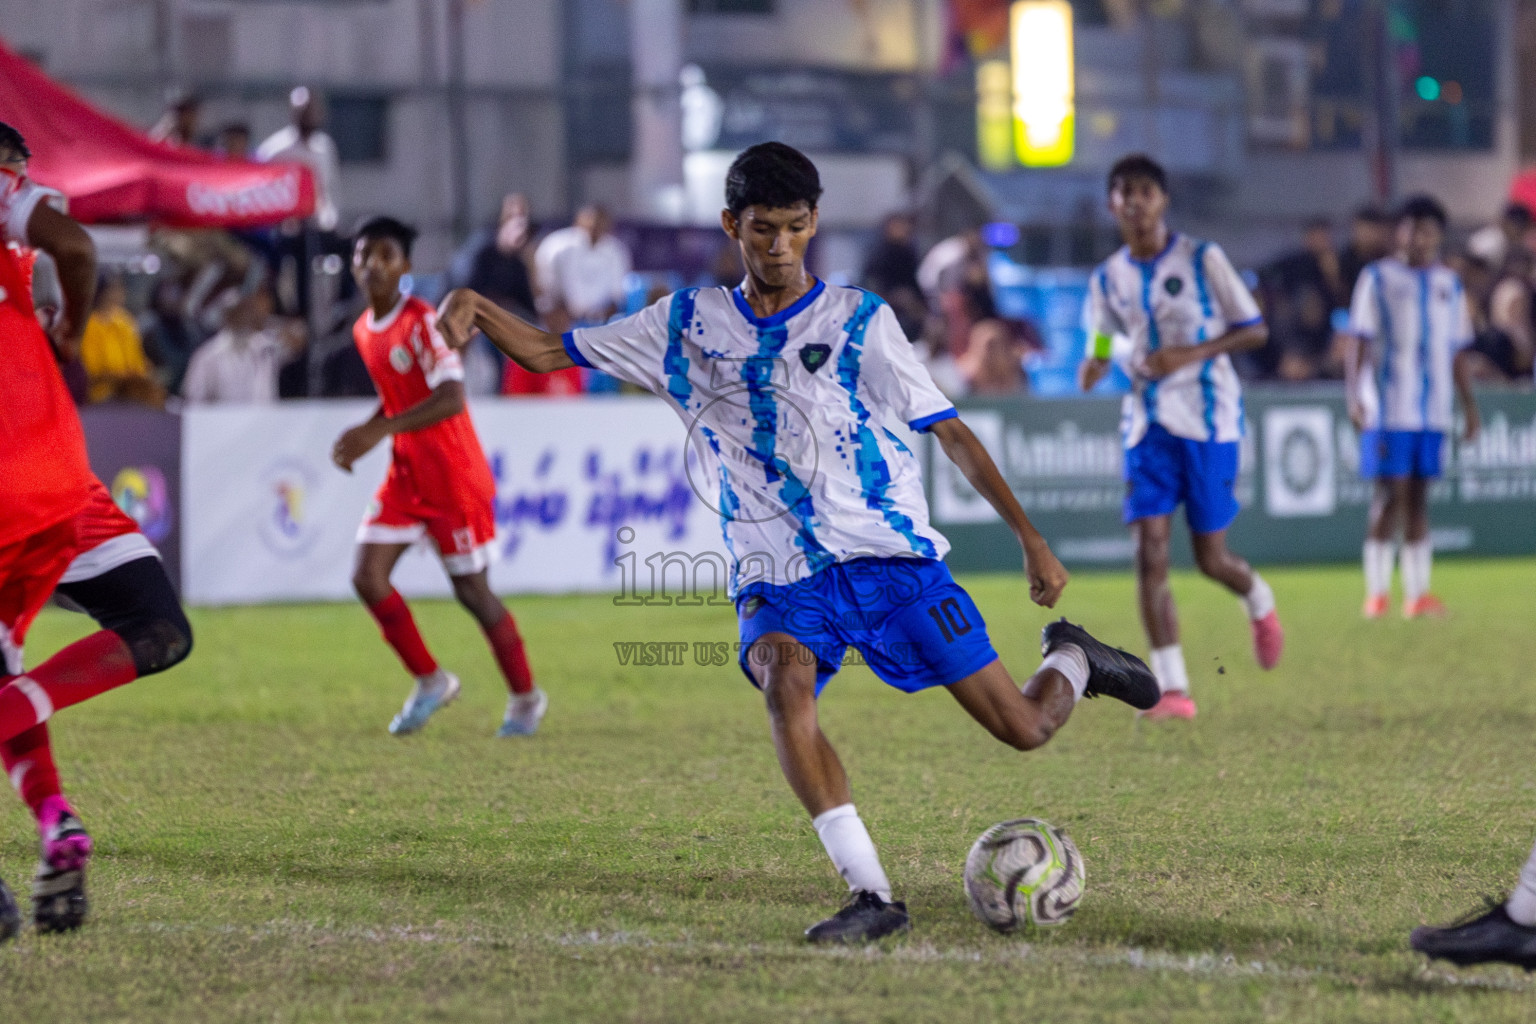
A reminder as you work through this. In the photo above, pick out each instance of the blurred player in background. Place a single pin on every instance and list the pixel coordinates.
(789, 387)
(49, 488)
(1185, 309)
(1410, 329)
(439, 484)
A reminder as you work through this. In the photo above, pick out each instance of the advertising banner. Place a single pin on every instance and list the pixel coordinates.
(136, 452)
(1300, 487)
(592, 495)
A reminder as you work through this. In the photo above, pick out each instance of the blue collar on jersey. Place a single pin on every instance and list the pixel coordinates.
(782, 315)
(1173, 236)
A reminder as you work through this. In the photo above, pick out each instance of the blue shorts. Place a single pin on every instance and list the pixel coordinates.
(1400, 453)
(915, 626)
(1162, 472)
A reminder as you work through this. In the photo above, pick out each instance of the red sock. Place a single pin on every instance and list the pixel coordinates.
(400, 632)
(88, 667)
(507, 645)
(28, 760)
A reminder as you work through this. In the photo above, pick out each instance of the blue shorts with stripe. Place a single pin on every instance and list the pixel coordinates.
(1390, 454)
(915, 626)
(1163, 472)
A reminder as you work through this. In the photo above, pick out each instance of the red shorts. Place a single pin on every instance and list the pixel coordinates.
(29, 570)
(107, 537)
(463, 534)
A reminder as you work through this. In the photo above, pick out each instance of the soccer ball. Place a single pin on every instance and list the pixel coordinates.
(1023, 870)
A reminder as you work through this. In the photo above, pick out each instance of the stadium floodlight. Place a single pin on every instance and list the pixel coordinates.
(1044, 97)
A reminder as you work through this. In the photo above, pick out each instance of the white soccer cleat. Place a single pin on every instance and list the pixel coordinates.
(524, 713)
(431, 693)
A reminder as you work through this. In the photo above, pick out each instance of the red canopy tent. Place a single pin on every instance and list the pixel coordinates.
(112, 172)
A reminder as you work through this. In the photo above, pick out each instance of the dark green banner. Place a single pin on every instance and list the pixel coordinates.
(1303, 499)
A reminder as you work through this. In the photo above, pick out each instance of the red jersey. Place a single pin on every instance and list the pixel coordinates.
(441, 466)
(43, 469)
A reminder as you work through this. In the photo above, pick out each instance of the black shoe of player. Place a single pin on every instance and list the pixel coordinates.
(1490, 937)
(1111, 671)
(864, 918)
(58, 899)
(10, 914)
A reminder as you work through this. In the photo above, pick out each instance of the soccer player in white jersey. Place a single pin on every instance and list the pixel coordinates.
(1411, 328)
(790, 388)
(1184, 309)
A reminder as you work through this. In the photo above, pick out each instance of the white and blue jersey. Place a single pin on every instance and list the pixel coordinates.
(1187, 294)
(1414, 320)
(791, 414)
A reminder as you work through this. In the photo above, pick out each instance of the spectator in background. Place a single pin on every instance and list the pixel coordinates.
(890, 271)
(304, 141)
(580, 272)
(168, 336)
(1506, 340)
(179, 123)
(993, 362)
(497, 261)
(955, 279)
(241, 363)
(112, 352)
(1495, 242)
(1301, 290)
(234, 141)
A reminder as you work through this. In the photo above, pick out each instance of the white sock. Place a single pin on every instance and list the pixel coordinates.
(1168, 667)
(1377, 556)
(852, 851)
(1522, 902)
(1070, 661)
(1259, 600)
(1415, 561)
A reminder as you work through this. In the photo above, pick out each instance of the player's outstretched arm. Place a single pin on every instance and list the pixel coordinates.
(1047, 576)
(463, 312)
(446, 400)
(1355, 355)
(74, 254)
(1090, 371)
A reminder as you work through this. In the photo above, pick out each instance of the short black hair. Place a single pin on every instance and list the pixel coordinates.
(1422, 208)
(12, 142)
(1136, 165)
(385, 227)
(771, 174)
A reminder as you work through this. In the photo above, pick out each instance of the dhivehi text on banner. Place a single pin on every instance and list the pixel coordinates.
(587, 490)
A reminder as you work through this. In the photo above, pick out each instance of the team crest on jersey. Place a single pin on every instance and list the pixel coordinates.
(813, 356)
(400, 359)
(1174, 285)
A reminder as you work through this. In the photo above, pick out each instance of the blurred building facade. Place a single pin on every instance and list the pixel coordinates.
(1261, 108)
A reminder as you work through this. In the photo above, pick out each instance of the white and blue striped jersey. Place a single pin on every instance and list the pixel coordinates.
(790, 415)
(1187, 294)
(1414, 321)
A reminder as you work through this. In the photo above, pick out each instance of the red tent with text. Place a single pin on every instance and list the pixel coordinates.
(113, 173)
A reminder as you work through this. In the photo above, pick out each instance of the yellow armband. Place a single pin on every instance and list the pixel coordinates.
(1103, 344)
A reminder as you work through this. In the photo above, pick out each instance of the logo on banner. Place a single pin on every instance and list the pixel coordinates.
(141, 492)
(286, 523)
(1299, 471)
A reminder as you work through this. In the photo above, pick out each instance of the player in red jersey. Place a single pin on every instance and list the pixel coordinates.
(439, 483)
(47, 481)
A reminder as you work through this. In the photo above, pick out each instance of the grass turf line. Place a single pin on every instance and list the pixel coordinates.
(268, 853)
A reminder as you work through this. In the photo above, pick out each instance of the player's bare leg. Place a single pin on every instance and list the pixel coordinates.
(785, 670)
(1160, 617)
(1023, 719)
(1389, 502)
(1418, 552)
(526, 703)
(1218, 562)
(434, 686)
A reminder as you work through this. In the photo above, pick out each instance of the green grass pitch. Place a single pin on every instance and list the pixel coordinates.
(268, 853)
